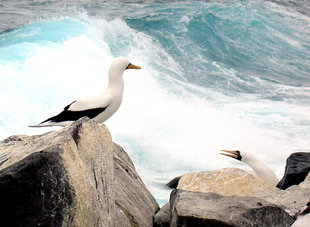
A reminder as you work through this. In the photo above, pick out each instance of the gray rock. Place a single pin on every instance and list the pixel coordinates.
(36, 191)
(162, 217)
(135, 205)
(60, 178)
(210, 209)
(233, 181)
(72, 177)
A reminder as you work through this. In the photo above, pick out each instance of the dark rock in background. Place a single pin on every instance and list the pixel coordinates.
(296, 170)
(173, 184)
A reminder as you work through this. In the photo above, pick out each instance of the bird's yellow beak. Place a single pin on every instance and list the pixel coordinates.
(132, 66)
(232, 154)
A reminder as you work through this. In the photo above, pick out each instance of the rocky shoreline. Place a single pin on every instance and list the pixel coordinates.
(78, 176)
(231, 197)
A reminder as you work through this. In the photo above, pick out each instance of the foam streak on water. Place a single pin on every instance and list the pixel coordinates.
(215, 76)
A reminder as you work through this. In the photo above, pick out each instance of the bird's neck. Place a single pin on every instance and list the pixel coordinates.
(116, 79)
(262, 170)
(119, 82)
(116, 86)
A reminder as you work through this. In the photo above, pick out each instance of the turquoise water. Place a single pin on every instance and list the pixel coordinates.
(216, 75)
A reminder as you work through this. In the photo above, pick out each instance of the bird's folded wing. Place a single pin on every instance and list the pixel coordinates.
(93, 102)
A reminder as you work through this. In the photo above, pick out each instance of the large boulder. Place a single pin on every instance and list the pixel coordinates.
(72, 177)
(233, 181)
(135, 206)
(191, 209)
(296, 169)
(162, 217)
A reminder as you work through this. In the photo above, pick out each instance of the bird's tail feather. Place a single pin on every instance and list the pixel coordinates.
(50, 123)
(38, 126)
(42, 124)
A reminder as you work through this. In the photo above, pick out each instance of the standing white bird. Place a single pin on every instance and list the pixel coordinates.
(260, 168)
(99, 107)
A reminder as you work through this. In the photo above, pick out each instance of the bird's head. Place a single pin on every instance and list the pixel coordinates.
(243, 156)
(233, 154)
(117, 68)
(119, 65)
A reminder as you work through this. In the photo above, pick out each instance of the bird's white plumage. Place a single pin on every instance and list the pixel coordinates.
(259, 167)
(97, 101)
(99, 107)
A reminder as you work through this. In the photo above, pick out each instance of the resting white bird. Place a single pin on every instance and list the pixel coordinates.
(99, 107)
(303, 219)
(261, 169)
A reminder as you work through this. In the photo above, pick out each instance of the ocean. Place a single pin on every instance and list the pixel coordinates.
(215, 75)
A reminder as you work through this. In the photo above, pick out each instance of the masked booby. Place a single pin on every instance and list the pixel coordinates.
(99, 107)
